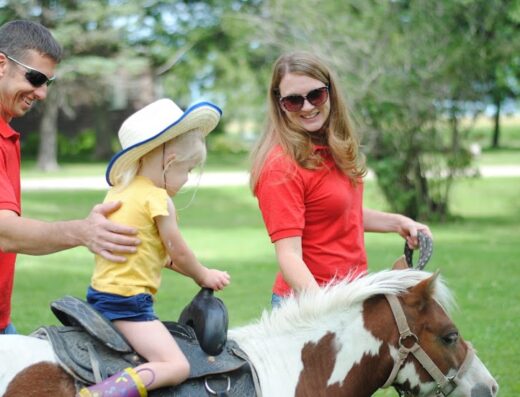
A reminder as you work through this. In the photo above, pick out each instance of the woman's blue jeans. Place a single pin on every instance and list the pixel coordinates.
(276, 301)
(10, 329)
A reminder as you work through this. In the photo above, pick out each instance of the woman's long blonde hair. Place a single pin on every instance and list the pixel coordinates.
(296, 142)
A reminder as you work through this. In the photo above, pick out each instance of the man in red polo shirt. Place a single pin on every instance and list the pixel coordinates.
(28, 58)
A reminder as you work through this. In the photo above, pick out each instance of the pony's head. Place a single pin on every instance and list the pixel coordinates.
(430, 357)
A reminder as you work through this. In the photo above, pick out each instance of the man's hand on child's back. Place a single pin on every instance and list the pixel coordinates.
(106, 238)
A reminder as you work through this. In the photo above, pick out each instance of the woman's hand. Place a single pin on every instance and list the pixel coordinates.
(408, 229)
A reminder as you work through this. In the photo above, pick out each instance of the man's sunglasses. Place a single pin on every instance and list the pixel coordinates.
(294, 103)
(33, 76)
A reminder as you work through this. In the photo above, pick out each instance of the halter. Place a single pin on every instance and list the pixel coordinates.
(445, 384)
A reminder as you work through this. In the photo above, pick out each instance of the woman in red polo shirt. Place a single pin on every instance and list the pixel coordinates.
(307, 175)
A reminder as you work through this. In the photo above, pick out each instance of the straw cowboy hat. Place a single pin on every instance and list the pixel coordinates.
(156, 124)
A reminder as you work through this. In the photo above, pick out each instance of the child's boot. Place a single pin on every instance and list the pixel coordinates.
(126, 383)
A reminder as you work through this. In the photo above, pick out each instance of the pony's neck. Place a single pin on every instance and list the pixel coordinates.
(317, 354)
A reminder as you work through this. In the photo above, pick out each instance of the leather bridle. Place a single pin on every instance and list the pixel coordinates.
(445, 384)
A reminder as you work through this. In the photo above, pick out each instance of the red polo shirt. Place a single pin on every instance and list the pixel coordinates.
(322, 207)
(9, 200)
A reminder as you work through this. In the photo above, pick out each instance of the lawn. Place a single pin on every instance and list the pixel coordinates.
(477, 256)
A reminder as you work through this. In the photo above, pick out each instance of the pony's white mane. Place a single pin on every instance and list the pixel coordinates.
(305, 309)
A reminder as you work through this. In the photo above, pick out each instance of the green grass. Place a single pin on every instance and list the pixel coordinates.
(499, 157)
(477, 255)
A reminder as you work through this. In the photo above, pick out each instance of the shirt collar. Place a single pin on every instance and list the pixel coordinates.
(6, 131)
(320, 147)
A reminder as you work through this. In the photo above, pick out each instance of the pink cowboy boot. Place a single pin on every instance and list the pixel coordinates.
(126, 383)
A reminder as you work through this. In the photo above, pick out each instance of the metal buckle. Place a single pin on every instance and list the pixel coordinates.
(440, 390)
(403, 337)
(213, 392)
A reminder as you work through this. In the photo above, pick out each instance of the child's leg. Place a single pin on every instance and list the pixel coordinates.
(167, 364)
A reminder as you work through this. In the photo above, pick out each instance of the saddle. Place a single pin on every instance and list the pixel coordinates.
(90, 349)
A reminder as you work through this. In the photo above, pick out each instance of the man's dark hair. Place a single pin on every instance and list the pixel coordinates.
(18, 37)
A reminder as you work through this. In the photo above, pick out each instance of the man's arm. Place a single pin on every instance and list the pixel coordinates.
(96, 232)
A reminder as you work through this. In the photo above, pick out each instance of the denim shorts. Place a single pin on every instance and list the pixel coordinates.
(116, 307)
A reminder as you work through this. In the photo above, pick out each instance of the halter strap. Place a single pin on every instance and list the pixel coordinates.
(445, 384)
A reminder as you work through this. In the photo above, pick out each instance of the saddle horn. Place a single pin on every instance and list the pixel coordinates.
(208, 317)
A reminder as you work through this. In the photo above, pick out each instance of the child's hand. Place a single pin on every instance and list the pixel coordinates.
(215, 279)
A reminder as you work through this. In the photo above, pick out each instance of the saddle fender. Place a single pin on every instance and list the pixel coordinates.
(74, 312)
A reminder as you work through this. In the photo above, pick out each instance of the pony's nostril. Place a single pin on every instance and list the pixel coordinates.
(483, 390)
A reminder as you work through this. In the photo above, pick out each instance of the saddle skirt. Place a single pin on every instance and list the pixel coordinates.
(90, 349)
(89, 360)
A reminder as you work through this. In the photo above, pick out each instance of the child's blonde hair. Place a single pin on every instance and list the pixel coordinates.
(188, 146)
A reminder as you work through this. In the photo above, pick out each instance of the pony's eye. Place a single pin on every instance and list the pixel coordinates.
(450, 338)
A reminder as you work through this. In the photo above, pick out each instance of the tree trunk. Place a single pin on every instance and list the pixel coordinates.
(104, 136)
(48, 148)
(496, 132)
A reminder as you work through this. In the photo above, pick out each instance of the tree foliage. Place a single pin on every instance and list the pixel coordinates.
(410, 68)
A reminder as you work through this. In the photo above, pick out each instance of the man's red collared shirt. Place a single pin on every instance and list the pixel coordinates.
(10, 199)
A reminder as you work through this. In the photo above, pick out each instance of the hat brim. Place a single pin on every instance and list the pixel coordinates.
(203, 116)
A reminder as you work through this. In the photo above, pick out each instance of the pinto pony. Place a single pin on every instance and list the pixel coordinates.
(348, 339)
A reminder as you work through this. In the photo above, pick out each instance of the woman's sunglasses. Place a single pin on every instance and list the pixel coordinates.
(294, 103)
(33, 76)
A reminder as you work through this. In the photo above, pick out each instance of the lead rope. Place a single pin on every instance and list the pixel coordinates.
(425, 249)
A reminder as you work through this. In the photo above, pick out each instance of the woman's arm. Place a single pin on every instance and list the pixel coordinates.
(384, 222)
(294, 270)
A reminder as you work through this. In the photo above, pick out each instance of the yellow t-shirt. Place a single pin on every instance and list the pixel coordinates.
(141, 273)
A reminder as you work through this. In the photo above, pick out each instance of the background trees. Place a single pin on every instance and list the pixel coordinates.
(412, 69)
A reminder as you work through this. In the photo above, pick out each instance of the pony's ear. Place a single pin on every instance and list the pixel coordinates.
(400, 263)
(421, 293)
